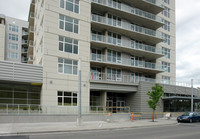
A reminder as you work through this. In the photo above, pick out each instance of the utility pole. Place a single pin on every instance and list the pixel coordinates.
(79, 119)
(191, 95)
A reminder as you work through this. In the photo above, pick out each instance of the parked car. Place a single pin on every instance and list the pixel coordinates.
(189, 117)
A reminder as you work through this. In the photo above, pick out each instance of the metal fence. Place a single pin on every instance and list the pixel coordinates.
(23, 109)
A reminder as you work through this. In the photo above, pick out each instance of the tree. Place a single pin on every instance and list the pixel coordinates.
(154, 97)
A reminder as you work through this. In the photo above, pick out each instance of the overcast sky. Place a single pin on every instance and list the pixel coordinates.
(187, 34)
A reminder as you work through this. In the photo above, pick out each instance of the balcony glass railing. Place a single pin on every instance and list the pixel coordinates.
(125, 62)
(125, 43)
(24, 42)
(24, 50)
(155, 2)
(128, 9)
(24, 33)
(24, 59)
(98, 76)
(127, 26)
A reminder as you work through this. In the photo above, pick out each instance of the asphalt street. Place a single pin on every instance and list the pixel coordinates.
(176, 131)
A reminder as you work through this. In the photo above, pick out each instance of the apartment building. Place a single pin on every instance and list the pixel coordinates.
(119, 44)
(122, 47)
(14, 39)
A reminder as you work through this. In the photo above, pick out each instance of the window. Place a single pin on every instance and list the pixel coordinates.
(166, 52)
(114, 74)
(13, 28)
(13, 46)
(166, 1)
(167, 25)
(136, 77)
(166, 38)
(68, 24)
(68, 45)
(12, 55)
(13, 37)
(67, 98)
(97, 36)
(166, 66)
(165, 79)
(114, 20)
(166, 12)
(96, 55)
(114, 38)
(114, 4)
(96, 73)
(113, 56)
(70, 5)
(67, 66)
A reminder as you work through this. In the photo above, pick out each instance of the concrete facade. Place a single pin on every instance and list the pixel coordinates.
(2, 37)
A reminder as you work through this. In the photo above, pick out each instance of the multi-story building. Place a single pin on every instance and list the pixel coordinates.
(15, 38)
(119, 43)
(121, 46)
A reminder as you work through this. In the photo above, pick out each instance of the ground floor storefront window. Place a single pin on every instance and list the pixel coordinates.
(19, 94)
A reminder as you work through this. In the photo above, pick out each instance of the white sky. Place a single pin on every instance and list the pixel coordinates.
(187, 34)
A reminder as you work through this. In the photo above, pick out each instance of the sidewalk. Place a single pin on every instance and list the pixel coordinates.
(26, 128)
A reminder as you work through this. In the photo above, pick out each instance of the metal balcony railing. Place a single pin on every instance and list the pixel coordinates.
(126, 26)
(125, 62)
(125, 43)
(120, 78)
(129, 9)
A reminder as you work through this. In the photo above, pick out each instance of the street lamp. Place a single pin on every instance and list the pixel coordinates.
(191, 95)
(79, 119)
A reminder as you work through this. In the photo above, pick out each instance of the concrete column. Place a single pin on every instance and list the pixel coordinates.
(104, 98)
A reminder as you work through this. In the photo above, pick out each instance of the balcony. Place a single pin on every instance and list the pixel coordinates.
(24, 50)
(31, 33)
(128, 13)
(24, 42)
(130, 64)
(99, 77)
(30, 59)
(152, 6)
(150, 36)
(127, 46)
(24, 60)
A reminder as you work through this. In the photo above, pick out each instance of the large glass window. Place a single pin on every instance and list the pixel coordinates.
(13, 28)
(13, 46)
(12, 55)
(167, 25)
(114, 38)
(68, 45)
(166, 38)
(96, 55)
(13, 37)
(96, 73)
(166, 12)
(114, 20)
(114, 56)
(68, 24)
(114, 74)
(67, 98)
(165, 79)
(67, 66)
(166, 66)
(166, 1)
(70, 5)
(166, 52)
